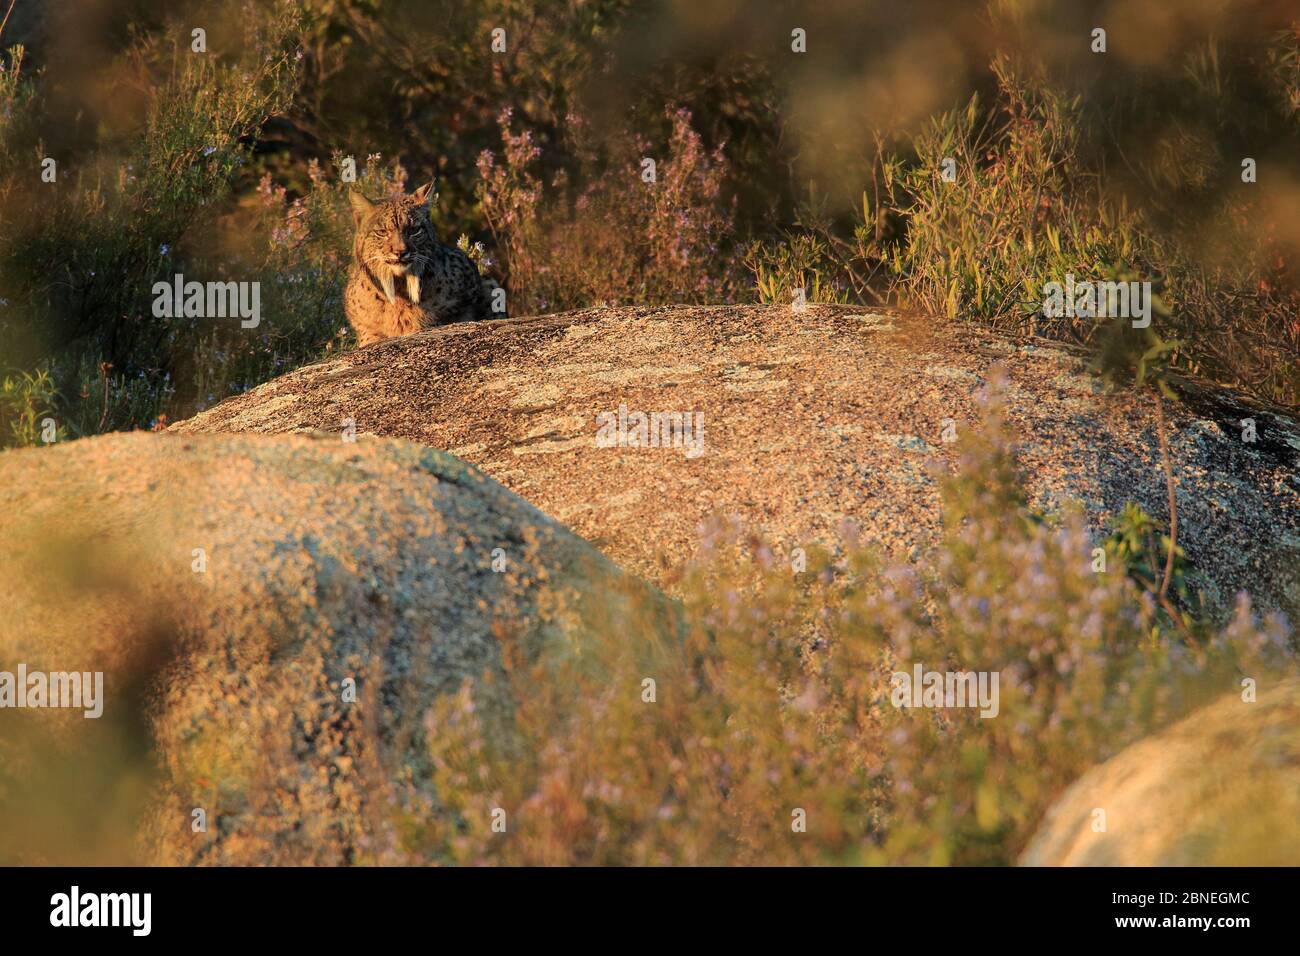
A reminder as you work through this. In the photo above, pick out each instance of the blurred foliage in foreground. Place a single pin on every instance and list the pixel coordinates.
(774, 170)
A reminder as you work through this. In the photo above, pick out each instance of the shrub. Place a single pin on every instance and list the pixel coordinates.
(26, 399)
(79, 256)
(604, 234)
(1027, 205)
(799, 262)
(1017, 212)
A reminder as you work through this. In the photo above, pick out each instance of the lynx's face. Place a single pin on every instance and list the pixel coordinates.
(394, 238)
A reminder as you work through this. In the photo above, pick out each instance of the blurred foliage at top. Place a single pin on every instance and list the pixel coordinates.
(775, 170)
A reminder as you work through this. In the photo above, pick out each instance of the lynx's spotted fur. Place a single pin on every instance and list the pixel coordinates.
(395, 241)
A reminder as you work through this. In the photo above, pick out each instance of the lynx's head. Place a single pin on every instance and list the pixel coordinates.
(394, 238)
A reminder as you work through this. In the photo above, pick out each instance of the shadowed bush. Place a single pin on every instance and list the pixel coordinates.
(131, 204)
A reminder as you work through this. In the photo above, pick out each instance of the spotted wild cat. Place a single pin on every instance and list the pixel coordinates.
(395, 241)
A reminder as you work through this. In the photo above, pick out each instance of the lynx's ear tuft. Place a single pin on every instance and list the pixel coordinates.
(422, 194)
(360, 205)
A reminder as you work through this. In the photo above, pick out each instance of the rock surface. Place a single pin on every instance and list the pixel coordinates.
(809, 419)
(1220, 788)
(321, 560)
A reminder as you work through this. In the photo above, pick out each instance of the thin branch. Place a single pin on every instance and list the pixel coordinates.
(12, 3)
(1177, 617)
(1173, 500)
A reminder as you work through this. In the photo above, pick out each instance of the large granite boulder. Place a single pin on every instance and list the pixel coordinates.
(237, 592)
(808, 418)
(1220, 788)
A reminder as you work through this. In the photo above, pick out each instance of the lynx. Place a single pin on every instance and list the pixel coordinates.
(395, 240)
